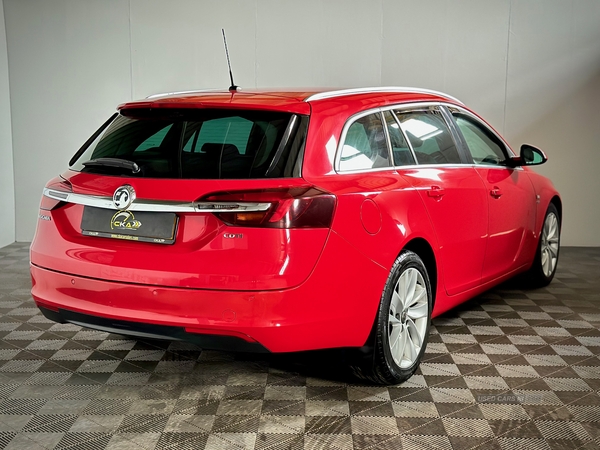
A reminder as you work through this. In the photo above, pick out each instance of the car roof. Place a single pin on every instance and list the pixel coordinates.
(293, 100)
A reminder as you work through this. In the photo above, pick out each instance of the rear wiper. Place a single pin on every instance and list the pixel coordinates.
(113, 162)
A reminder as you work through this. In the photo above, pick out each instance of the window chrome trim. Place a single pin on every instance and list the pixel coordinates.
(413, 167)
(374, 90)
(156, 205)
(380, 110)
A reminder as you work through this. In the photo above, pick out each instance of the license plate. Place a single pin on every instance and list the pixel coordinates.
(158, 228)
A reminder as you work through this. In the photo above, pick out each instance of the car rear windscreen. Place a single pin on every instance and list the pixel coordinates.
(196, 144)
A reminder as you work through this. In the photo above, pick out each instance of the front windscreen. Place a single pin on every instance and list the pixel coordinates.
(198, 144)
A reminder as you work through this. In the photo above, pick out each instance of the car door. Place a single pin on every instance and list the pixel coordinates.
(510, 195)
(452, 192)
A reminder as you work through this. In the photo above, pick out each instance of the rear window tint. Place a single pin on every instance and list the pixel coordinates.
(233, 130)
(199, 144)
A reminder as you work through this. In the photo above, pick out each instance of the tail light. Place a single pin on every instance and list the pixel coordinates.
(303, 207)
(55, 192)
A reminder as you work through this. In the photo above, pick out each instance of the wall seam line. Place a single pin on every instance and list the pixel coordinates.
(506, 69)
(12, 142)
(130, 57)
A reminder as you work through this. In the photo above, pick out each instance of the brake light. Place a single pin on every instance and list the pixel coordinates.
(55, 192)
(303, 207)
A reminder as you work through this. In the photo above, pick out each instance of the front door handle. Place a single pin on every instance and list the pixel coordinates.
(436, 192)
(496, 192)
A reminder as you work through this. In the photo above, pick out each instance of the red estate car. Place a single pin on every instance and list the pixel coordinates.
(282, 221)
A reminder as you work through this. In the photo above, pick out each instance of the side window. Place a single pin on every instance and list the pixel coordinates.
(485, 148)
(400, 149)
(429, 136)
(365, 145)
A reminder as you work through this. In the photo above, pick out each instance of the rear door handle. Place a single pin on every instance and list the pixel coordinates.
(496, 192)
(436, 192)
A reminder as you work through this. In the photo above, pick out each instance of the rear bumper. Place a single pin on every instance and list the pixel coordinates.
(147, 330)
(335, 307)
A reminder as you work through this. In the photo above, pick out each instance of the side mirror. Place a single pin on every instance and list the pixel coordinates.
(529, 156)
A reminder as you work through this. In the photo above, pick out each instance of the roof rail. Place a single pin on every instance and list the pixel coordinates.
(199, 91)
(368, 90)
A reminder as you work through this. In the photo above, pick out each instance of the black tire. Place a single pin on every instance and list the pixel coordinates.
(386, 363)
(541, 274)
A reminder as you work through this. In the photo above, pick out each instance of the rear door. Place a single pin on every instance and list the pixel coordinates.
(452, 192)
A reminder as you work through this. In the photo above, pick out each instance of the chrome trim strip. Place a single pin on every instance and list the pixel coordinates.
(199, 91)
(383, 89)
(56, 195)
(157, 205)
(375, 110)
(404, 106)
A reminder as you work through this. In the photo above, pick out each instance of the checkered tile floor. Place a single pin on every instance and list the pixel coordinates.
(512, 369)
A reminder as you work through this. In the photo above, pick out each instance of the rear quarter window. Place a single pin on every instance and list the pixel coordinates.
(365, 145)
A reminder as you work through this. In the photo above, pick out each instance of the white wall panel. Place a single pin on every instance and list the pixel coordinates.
(456, 47)
(72, 61)
(552, 101)
(318, 43)
(7, 183)
(178, 45)
(69, 66)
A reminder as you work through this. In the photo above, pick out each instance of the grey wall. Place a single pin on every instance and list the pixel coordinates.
(531, 67)
(7, 185)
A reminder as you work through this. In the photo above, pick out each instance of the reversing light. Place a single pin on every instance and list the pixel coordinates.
(298, 207)
(55, 192)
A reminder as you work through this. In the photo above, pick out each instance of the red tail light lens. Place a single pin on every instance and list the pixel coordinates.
(303, 207)
(55, 188)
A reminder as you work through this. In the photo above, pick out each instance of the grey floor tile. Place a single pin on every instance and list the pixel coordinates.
(510, 369)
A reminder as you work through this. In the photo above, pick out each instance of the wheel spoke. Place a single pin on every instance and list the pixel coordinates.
(395, 303)
(553, 249)
(414, 333)
(418, 311)
(547, 263)
(552, 226)
(420, 294)
(410, 350)
(397, 342)
(394, 321)
(411, 286)
(544, 257)
(399, 294)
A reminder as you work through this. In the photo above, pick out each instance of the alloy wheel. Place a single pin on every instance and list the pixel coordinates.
(408, 318)
(549, 247)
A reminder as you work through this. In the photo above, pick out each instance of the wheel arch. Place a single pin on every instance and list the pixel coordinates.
(556, 201)
(422, 248)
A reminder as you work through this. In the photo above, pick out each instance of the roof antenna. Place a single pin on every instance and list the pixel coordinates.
(233, 87)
